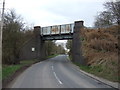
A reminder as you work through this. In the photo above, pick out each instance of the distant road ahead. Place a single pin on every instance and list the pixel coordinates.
(56, 72)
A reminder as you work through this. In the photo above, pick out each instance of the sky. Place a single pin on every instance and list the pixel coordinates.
(55, 12)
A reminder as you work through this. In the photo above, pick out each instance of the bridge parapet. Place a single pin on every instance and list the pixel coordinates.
(57, 29)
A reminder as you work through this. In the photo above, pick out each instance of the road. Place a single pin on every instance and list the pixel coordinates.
(56, 72)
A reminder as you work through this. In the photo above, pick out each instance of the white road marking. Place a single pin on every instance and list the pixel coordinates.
(57, 78)
(52, 68)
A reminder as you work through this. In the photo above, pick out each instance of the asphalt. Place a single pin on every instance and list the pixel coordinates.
(57, 72)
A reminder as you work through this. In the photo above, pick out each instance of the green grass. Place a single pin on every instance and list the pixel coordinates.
(85, 68)
(24, 62)
(69, 57)
(8, 70)
(51, 56)
(100, 72)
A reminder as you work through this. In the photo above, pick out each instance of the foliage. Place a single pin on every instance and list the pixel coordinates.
(69, 44)
(9, 70)
(100, 71)
(60, 49)
(114, 8)
(110, 16)
(51, 56)
(69, 47)
(100, 50)
(14, 36)
(52, 48)
(11, 37)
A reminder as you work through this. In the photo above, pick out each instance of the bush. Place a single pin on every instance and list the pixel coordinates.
(100, 50)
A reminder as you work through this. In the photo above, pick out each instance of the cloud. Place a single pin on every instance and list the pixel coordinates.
(51, 12)
(75, 10)
(56, 12)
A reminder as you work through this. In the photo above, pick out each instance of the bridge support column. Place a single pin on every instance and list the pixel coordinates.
(34, 47)
(42, 50)
(76, 43)
(40, 44)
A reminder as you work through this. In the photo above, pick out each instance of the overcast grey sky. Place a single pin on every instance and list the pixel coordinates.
(56, 12)
(53, 12)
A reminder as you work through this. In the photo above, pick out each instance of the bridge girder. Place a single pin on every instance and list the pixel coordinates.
(58, 37)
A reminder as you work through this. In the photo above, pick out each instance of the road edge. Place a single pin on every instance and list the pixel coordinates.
(105, 81)
(6, 82)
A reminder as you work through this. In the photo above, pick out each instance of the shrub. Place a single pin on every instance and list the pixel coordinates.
(100, 48)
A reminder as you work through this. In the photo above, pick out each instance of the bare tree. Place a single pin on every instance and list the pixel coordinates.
(114, 8)
(110, 16)
(104, 19)
(11, 37)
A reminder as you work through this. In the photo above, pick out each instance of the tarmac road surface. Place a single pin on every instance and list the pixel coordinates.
(57, 72)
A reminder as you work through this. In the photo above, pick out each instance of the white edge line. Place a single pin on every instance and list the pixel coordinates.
(57, 78)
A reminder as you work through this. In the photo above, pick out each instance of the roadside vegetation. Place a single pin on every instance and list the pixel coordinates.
(100, 46)
(15, 35)
(52, 49)
(8, 70)
(51, 56)
(100, 50)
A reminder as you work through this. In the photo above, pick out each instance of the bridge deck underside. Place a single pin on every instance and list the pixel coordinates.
(58, 37)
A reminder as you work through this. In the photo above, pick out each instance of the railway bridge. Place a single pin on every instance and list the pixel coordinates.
(35, 48)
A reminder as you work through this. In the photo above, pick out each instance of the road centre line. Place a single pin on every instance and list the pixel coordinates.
(52, 68)
(57, 78)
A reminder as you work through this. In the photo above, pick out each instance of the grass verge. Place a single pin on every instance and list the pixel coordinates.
(100, 72)
(51, 56)
(8, 70)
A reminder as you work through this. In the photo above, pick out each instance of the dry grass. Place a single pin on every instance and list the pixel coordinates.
(100, 48)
